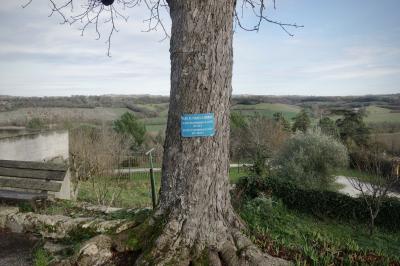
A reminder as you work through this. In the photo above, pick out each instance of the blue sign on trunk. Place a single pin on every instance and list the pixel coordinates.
(197, 125)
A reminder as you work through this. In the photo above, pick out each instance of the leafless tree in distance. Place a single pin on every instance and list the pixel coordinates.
(377, 184)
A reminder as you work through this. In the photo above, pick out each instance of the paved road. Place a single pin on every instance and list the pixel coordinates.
(351, 191)
(16, 249)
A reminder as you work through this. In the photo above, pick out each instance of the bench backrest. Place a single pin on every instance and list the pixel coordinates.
(31, 175)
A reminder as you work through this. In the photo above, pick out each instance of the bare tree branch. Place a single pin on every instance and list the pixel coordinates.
(377, 188)
(94, 13)
(258, 9)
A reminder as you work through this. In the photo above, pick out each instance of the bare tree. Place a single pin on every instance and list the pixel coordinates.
(95, 156)
(194, 210)
(377, 184)
(259, 140)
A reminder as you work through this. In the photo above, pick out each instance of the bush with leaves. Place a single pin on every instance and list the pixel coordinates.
(36, 124)
(130, 126)
(308, 159)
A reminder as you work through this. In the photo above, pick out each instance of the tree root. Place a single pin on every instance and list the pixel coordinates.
(235, 249)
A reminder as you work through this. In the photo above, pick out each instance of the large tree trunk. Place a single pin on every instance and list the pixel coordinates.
(194, 197)
(195, 186)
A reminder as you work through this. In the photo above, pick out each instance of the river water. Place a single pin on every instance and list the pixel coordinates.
(35, 147)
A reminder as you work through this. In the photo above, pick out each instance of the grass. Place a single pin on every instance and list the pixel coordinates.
(391, 141)
(308, 240)
(136, 192)
(379, 114)
(236, 173)
(41, 257)
(348, 172)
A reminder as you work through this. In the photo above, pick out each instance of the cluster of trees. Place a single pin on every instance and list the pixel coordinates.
(299, 149)
(308, 155)
(97, 152)
(8, 103)
(194, 225)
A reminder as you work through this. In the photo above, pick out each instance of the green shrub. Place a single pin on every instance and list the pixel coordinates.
(322, 203)
(128, 124)
(36, 123)
(308, 159)
(42, 257)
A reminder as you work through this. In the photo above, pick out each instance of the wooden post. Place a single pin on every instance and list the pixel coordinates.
(152, 180)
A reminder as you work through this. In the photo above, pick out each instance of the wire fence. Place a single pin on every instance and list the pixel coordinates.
(128, 181)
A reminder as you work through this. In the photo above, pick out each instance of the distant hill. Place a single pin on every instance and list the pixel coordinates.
(136, 102)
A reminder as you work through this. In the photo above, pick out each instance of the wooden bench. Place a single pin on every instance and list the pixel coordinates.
(29, 181)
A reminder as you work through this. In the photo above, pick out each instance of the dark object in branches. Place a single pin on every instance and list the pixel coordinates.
(107, 2)
(96, 13)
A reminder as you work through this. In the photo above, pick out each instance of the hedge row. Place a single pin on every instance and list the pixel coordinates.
(323, 203)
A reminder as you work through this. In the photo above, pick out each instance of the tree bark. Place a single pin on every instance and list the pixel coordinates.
(194, 196)
(195, 185)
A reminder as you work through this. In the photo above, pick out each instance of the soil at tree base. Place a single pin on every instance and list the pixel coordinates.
(16, 249)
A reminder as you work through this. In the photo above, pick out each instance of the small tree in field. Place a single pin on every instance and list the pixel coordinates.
(262, 140)
(301, 121)
(256, 139)
(328, 127)
(376, 185)
(352, 129)
(308, 159)
(278, 117)
(129, 125)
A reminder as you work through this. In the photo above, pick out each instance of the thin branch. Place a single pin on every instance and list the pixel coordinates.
(27, 4)
(258, 8)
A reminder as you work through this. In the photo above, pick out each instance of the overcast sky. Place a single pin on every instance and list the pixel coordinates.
(347, 47)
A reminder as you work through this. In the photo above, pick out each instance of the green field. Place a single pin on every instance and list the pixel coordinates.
(155, 115)
(374, 114)
(53, 115)
(378, 114)
(267, 109)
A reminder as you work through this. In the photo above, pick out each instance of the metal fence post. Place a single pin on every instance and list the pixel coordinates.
(152, 180)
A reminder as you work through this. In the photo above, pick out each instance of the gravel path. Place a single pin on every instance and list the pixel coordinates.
(16, 249)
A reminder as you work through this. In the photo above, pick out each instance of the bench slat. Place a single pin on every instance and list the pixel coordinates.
(18, 195)
(32, 173)
(32, 165)
(29, 184)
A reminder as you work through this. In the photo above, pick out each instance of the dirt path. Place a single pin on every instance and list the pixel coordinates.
(16, 249)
